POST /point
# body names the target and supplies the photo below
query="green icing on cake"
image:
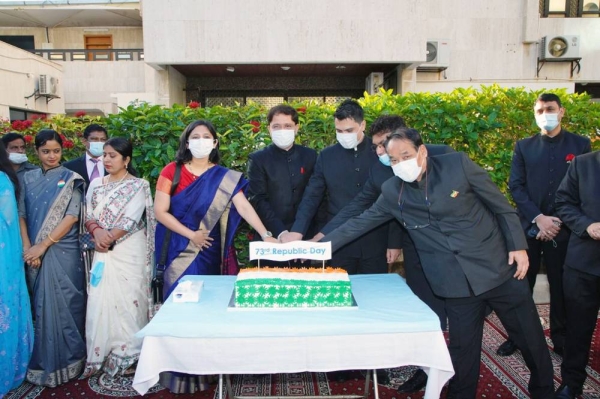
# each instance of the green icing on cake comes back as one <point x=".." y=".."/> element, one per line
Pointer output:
<point x="273" y="293"/>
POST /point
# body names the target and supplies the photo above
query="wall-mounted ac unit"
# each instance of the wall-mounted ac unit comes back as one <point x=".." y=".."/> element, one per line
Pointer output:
<point x="373" y="82"/>
<point x="565" y="47"/>
<point x="48" y="86"/>
<point x="438" y="55"/>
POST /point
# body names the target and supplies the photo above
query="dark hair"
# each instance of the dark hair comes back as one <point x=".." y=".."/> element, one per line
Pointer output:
<point x="6" y="167"/>
<point x="349" y="109"/>
<point x="284" y="110"/>
<point x="10" y="137"/>
<point x="184" y="154"/>
<point x="406" y="134"/>
<point x="123" y="147"/>
<point x="386" y="124"/>
<point x="549" y="97"/>
<point x="93" y="128"/>
<point x="46" y="135"/>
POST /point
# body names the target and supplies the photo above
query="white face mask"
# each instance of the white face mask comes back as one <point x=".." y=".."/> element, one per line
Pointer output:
<point x="283" y="138"/>
<point x="347" y="140"/>
<point x="96" y="148"/>
<point x="17" y="158"/>
<point x="547" y="122"/>
<point x="407" y="170"/>
<point x="200" y="148"/>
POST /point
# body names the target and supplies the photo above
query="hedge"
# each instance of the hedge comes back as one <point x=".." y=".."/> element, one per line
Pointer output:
<point x="485" y="123"/>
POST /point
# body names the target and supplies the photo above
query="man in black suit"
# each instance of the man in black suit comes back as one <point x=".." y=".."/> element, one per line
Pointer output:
<point x="381" y="171"/>
<point x="472" y="250"/>
<point x="577" y="206"/>
<point x="279" y="174"/>
<point x="89" y="165"/>
<point x="340" y="174"/>
<point x="538" y="166"/>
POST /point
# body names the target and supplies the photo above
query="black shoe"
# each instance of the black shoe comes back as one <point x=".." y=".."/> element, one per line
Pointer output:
<point x="507" y="348"/>
<point x="566" y="392"/>
<point x="414" y="383"/>
<point x="383" y="377"/>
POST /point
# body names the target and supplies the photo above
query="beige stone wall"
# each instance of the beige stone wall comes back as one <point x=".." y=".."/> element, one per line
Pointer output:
<point x="19" y="74"/>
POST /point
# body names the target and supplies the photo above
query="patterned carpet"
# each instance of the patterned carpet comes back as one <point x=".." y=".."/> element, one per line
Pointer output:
<point x="501" y="377"/>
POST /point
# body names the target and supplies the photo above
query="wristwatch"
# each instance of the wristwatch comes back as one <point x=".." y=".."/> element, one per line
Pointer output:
<point x="267" y="234"/>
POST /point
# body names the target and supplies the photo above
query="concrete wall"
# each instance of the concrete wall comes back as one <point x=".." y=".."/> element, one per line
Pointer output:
<point x="95" y="85"/>
<point x="269" y="31"/>
<point x="19" y="74"/>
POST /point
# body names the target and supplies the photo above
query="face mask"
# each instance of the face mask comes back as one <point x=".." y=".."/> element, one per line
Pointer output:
<point x="347" y="140"/>
<point x="96" y="148"/>
<point x="200" y="148"/>
<point x="547" y="122"/>
<point x="17" y="158"/>
<point x="385" y="159"/>
<point x="407" y="170"/>
<point x="283" y="138"/>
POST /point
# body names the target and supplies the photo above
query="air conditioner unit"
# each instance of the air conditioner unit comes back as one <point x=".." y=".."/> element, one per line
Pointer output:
<point x="373" y="82"/>
<point x="48" y="86"/>
<point x="565" y="47"/>
<point x="438" y="55"/>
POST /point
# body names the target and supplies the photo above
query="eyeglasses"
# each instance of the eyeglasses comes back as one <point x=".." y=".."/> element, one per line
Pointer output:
<point x="427" y="204"/>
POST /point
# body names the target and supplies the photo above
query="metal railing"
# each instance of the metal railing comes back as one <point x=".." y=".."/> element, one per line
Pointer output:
<point x="91" y="55"/>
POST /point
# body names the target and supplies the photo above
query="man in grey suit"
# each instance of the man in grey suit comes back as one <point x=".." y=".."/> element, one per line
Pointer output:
<point x="472" y="250"/>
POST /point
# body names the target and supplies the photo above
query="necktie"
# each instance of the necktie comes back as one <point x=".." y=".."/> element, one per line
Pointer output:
<point x="95" y="172"/>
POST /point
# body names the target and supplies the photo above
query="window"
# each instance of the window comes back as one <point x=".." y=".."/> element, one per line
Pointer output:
<point x="22" y="42"/>
<point x="589" y="8"/>
<point x="570" y="8"/>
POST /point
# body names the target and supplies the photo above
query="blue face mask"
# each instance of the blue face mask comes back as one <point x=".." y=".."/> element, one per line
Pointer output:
<point x="385" y="159"/>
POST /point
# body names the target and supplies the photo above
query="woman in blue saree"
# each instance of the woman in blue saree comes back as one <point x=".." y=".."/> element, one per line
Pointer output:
<point x="16" y="331"/>
<point x="202" y="214"/>
<point x="49" y="209"/>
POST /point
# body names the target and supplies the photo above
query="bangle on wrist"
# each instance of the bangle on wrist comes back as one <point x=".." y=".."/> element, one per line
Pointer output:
<point x="94" y="229"/>
<point x="52" y="239"/>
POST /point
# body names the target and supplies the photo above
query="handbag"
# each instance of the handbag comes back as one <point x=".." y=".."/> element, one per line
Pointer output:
<point x="159" y="271"/>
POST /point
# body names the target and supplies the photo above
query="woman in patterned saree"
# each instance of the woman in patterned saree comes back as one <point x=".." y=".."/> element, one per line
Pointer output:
<point x="16" y="331"/>
<point x="49" y="209"/>
<point x="121" y="219"/>
<point x="203" y="215"/>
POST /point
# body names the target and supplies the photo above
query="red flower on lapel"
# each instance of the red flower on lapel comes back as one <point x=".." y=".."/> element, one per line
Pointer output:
<point x="569" y="158"/>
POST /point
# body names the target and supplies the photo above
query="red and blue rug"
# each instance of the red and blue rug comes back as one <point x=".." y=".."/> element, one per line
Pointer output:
<point x="500" y="377"/>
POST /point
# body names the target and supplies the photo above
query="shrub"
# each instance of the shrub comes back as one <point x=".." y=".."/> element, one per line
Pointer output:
<point x="484" y="123"/>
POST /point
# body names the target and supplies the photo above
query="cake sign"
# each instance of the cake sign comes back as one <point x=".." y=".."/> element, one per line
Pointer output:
<point x="290" y="250"/>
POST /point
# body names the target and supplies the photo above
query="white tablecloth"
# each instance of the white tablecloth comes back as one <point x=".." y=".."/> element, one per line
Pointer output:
<point x="390" y="327"/>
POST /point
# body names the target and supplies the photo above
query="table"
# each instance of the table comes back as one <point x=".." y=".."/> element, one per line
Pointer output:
<point x="390" y="328"/>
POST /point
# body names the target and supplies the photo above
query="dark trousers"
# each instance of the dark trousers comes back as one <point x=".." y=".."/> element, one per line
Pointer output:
<point x="514" y="306"/>
<point x="374" y="262"/>
<point x="554" y="254"/>
<point x="582" y="299"/>
<point x="417" y="282"/>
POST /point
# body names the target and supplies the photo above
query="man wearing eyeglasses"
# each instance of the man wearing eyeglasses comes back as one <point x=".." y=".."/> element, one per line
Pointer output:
<point x="472" y="249"/>
<point x="279" y="174"/>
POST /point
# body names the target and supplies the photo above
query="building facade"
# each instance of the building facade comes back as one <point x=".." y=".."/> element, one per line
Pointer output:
<point x="105" y="54"/>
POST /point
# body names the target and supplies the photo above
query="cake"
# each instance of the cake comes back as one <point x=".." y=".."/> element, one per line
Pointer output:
<point x="268" y="287"/>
